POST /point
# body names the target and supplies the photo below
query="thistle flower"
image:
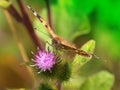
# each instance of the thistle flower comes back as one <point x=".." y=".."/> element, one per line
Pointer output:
<point x="44" y="60"/>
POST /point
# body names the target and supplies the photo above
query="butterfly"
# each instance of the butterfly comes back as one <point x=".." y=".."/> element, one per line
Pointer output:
<point x="58" y="41"/>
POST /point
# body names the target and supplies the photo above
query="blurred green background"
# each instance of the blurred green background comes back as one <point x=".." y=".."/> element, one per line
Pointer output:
<point x="77" y="21"/>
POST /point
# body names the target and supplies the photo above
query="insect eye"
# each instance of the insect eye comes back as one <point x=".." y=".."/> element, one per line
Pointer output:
<point x="54" y="42"/>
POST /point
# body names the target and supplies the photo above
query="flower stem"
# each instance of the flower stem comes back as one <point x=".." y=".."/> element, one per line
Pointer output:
<point x="59" y="86"/>
<point x="49" y="13"/>
<point x="28" y="25"/>
<point x="14" y="13"/>
<point x="20" y="46"/>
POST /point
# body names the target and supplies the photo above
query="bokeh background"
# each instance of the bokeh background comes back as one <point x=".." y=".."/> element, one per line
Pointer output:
<point x="78" y="21"/>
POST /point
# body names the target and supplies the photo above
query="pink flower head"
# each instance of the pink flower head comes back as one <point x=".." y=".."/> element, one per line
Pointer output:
<point x="44" y="60"/>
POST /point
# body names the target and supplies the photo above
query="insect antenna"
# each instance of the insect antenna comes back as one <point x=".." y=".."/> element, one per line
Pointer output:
<point x="94" y="55"/>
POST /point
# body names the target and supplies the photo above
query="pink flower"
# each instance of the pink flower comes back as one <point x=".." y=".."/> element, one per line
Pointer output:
<point x="44" y="60"/>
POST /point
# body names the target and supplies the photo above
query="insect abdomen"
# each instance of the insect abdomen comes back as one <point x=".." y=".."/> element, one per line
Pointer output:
<point x="83" y="53"/>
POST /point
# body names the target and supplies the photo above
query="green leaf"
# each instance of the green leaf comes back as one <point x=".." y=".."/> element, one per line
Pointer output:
<point x="79" y="61"/>
<point x="108" y="12"/>
<point x="67" y="25"/>
<point x="100" y="81"/>
<point x="76" y="7"/>
<point x="74" y="83"/>
<point x="4" y="4"/>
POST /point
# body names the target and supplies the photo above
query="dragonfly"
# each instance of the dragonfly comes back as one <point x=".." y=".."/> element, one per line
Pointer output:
<point x="58" y="41"/>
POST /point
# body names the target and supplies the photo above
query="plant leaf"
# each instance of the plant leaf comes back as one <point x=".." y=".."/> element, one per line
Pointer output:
<point x="80" y="60"/>
<point x="101" y="81"/>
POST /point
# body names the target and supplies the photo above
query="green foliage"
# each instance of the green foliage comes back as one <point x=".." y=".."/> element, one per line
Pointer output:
<point x="108" y="27"/>
<point x="4" y="4"/>
<point x="100" y="81"/>
<point x="52" y="73"/>
<point x="60" y="71"/>
<point x="80" y="60"/>
<point x="64" y="73"/>
<point x="71" y="20"/>
<point x="41" y="2"/>
<point x="108" y="12"/>
<point x="64" y="23"/>
<point x="45" y="86"/>
<point x="110" y="41"/>
<point x="78" y="7"/>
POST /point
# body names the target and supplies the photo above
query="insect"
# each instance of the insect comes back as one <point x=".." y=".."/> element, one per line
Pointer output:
<point x="58" y="41"/>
